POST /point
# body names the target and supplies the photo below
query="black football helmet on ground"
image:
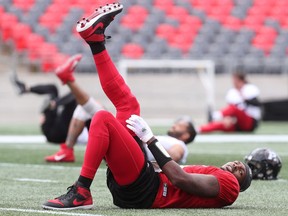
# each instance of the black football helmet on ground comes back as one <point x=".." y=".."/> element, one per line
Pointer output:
<point x="264" y="163"/>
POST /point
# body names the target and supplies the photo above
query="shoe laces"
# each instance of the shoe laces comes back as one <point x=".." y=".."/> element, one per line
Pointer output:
<point x="71" y="190"/>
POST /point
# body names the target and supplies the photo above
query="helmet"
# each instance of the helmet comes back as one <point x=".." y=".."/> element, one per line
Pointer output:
<point x="264" y="163"/>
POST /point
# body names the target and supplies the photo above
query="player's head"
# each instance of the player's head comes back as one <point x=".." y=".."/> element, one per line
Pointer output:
<point x="183" y="129"/>
<point x="264" y="163"/>
<point x="241" y="171"/>
<point x="239" y="79"/>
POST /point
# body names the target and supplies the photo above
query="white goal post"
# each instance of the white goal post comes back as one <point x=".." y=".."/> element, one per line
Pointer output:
<point x="204" y="68"/>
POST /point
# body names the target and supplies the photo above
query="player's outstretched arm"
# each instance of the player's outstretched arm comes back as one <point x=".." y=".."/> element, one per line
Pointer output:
<point x="198" y="184"/>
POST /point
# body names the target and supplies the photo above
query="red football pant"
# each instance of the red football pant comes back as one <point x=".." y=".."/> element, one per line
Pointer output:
<point x="109" y="138"/>
<point x="243" y="121"/>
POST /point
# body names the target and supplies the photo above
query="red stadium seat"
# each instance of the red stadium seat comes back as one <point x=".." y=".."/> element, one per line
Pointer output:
<point x="51" y="21"/>
<point x="132" y="22"/>
<point x="165" y="30"/>
<point x="267" y="31"/>
<point x="24" y="5"/>
<point x="34" y="42"/>
<point x="259" y="11"/>
<point x="193" y="21"/>
<point x="53" y="16"/>
<point x="278" y="13"/>
<point x="43" y="53"/>
<point x="206" y="6"/>
<point x="280" y="3"/>
<point x="135" y="17"/>
<point x="59" y="10"/>
<point x="20" y="33"/>
<point x="201" y="2"/>
<point x="7" y="22"/>
<point x="137" y="10"/>
<point x="186" y="29"/>
<point x="232" y="22"/>
<point x="177" y="12"/>
<point x="219" y="14"/>
<point x="265" y="38"/>
<point x="253" y="22"/>
<point x="264" y="42"/>
<point x="132" y="50"/>
<point x="225" y="3"/>
<point x="183" y="42"/>
<point x="164" y="5"/>
<point x="284" y="23"/>
<point x="2" y="10"/>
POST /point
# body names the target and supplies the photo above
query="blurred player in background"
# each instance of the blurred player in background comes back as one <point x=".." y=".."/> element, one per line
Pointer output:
<point x="62" y="120"/>
<point x="243" y="111"/>
<point x="56" y="111"/>
<point x="131" y="179"/>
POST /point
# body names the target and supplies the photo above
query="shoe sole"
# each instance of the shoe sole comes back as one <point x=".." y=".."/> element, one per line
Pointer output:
<point x="60" y="161"/>
<point x="86" y="23"/>
<point x="85" y="207"/>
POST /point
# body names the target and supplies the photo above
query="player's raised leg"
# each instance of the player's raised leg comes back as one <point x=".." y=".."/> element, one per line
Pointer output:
<point x="92" y="30"/>
<point x="109" y="138"/>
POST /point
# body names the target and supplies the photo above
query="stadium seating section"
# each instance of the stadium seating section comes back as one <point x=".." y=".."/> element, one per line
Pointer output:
<point x="248" y="33"/>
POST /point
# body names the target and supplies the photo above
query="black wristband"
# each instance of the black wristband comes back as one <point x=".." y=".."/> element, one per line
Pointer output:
<point x="159" y="153"/>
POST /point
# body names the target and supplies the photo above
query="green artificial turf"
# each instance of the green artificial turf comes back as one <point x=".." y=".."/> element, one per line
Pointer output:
<point x="26" y="180"/>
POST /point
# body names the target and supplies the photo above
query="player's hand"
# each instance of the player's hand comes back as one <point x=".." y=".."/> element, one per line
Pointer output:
<point x="139" y="127"/>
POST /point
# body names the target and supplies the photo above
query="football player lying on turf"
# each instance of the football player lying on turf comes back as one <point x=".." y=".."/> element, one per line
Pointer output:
<point x="131" y="179"/>
<point x="63" y="119"/>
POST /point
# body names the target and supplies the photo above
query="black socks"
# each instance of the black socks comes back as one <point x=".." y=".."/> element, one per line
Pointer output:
<point x="86" y="182"/>
<point x="97" y="47"/>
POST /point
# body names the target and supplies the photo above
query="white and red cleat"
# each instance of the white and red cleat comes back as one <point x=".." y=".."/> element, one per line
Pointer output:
<point x="65" y="154"/>
<point x="92" y="28"/>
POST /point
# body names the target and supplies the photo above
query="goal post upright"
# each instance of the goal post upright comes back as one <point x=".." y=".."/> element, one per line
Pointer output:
<point x="205" y="70"/>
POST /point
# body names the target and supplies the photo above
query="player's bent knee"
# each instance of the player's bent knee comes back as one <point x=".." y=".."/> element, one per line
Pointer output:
<point x="101" y="117"/>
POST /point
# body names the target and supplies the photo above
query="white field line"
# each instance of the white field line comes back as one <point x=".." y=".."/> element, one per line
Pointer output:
<point x="35" y="180"/>
<point x="53" y="167"/>
<point x="39" y="166"/>
<point x="46" y="212"/>
<point x="22" y="139"/>
<point x="241" y="138"/>
<point x="30" y="139"/>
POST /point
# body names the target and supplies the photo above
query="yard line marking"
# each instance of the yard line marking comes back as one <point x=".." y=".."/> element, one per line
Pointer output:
<point x="241" y="138"/>
<point x="282" y="180"/>
<point x="22" y="139"/>
<point x="47" y="212"/>
<point x="35" y="180"/>
<point x="44" y="166"/>
<point x="38" y="166"/>
<point x="32" y="139"/>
